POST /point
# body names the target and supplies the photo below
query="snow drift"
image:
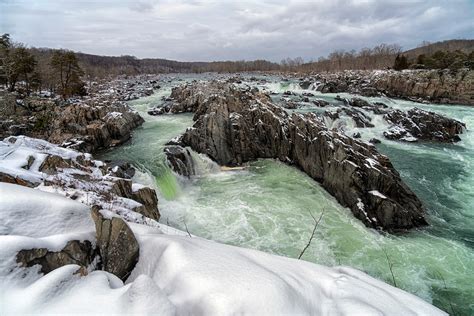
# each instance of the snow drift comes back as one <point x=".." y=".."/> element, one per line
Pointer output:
<point x="176" y="274"/>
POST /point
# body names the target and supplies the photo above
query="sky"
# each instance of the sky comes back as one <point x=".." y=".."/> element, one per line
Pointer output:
<point x="206" y="30"/>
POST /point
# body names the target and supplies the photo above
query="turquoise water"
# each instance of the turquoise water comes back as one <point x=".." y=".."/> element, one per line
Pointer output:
<point x="267" y="206"/>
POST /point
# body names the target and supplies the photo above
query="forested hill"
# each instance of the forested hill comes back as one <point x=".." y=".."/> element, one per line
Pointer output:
<point x="378" y="57"/>
<point x="101" y="66"/>
<point x="463" y="45"/>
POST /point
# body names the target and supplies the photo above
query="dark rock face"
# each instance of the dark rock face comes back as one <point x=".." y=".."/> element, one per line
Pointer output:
<point x="75" y="252"/>
<point x="419" y="124"/>
<point x="233" y="126"/>
<point x="180" y="160"/>
<point x="118" y="247"/>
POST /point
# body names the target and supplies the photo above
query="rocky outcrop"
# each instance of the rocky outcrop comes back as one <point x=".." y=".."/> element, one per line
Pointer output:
<point x="88" y="129"/>
<point x="180" y="160"/>
<point x="77" y="176"/>
<point x="118" y="247"/>
<point x="434" y="86"/>
<point x="233" y="126"/>
<point x="77" y="252"/>
<point x="424" y="125"/>
<point x="99" y="120"/>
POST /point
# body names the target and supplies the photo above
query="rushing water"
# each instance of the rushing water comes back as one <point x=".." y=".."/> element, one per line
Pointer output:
<point x="268" y="206"/>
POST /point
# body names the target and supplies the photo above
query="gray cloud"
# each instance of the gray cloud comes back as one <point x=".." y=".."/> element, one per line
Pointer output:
<point x="222" y="30"/>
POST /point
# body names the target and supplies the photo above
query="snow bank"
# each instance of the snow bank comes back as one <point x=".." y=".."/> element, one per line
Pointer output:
<point x="208" y="278"/>
<point x="175" y="273"/>
<point x="34" y="213"/>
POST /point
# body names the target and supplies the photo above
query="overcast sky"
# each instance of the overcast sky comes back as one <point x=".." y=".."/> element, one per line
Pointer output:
<point x="206" y="30"/>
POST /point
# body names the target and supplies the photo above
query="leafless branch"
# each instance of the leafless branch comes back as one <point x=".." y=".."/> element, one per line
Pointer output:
<point x="186" y="226"/>
<point x="390" y="267"/>
<point x="316" y="223"/>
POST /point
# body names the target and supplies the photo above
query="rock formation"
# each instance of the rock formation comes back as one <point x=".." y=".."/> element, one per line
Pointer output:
<point x="435" y="86"/>
<point x="75" y="175"/>
<point x="420" y="124"/>
<point x="180" y="160"/>
<point x="100" y="120"/>
<point x="77" y="252"/>
<point x="233" y="126"/>
<point x="118" y="247"/>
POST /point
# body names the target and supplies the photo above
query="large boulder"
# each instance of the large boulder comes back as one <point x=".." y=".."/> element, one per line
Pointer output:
<point x="118" y="247"/>
<point x="233" y="126"/>
<point x="425" y="125"/>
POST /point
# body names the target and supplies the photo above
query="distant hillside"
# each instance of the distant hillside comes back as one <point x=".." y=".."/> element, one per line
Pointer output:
<point x="101" y="66"/>
<point x="464" y="45"/>
<point x="378" y="57"/>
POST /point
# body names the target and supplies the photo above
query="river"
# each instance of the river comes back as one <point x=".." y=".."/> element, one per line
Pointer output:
<point x="268" y="206"/>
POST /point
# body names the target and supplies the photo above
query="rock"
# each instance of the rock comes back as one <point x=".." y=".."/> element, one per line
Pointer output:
<point x="75" y="252"/>
<point x="52" y="163"/>
<point x="305" y="84"/>
<point x="333" y="115"/>
<point x="374" y="141"/>
<point x="144" y="195"/>
<point x="147" y="197"/>
<point x="320" y="103"/>
<point x="99" y="120"/>
<point x="369" y="92"/>
<point x="288" y="104"/>
<point x="356" y="135"/>
<point x="118" y="247"/>
<point x="434" y="86"/>
<point x="160" y="110"/>
<point x="424" y="125"/>
<point x="359" y="117"/>
<point x="341" y="99"/>
<point x="8" y="178"/>
<point x="121" y="169"/>
<point x="237" y="126"/>
<point x="180" y="160"/>
<point x="335" y="86"/>
<point x="356" y="102"/>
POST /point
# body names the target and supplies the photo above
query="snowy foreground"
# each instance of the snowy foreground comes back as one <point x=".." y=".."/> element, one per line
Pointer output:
<point x="175" y="274"/>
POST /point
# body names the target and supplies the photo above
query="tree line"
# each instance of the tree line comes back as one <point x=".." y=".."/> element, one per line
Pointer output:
<point x="452" y="60"/>
<point x="59" y="72"/>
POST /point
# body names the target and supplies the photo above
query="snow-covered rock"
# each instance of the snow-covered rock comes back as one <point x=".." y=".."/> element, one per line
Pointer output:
<point x="50" y="168"/>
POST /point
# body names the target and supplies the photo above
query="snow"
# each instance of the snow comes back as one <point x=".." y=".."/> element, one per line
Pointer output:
<point x="176" y="274"/>
<point x="377" y="193"/>
<point x="33" y="213"/>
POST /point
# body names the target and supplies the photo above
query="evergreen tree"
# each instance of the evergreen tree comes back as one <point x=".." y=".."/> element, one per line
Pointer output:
<point x="68" y="73"/>
<point x="18" y="65"/>
<point x="401" y="62"/>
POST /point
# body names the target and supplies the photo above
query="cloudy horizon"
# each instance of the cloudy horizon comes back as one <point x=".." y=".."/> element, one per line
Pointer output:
<point x="206" y="30"/>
